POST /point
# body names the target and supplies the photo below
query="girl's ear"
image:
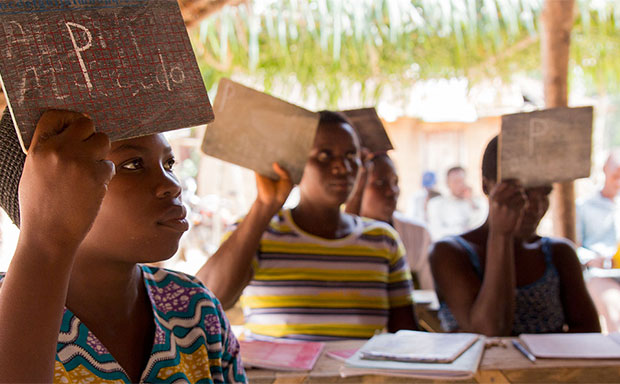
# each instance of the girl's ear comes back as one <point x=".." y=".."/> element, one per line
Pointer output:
<point x="487" y="185"/>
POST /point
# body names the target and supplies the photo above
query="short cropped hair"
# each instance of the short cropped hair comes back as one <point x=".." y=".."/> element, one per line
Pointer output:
<point x="458" y="168"/>
<point x="489" y="160"/>
<point x="333" y="117"/>
<point x="329" y="117"/>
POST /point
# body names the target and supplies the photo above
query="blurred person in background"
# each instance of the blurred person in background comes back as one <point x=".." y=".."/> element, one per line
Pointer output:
<point x="418" y="206"/>
<point x="502" y="278"/>
<point x="456" y="212"/>
<point x="598" y="227"/>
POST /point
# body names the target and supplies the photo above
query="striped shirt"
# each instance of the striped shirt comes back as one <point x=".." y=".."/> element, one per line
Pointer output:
<point x="308" y="287"/>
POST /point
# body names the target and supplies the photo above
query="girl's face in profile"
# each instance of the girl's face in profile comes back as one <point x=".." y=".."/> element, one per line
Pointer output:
<point x="381" y="191"/>
<point x="332" y="166"/>
<point x="141" y="218"/>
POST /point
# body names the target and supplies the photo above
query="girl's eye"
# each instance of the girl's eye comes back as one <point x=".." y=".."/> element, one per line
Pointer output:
<point x="170" y="164"/>
<point x="132" y="165"/>
<point x="322" y="157"/>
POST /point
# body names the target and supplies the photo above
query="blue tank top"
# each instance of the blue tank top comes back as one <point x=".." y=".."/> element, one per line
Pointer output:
<point x="538" y="306"/>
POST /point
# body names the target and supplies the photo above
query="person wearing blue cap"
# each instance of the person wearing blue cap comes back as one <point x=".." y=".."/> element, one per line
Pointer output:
<point x="419" y="200"/>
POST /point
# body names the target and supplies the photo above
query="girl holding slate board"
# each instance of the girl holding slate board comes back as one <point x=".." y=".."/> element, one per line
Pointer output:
<point x="502" y="278"/>
<point x="314" y="272"/>
<point x="75" y="305"/>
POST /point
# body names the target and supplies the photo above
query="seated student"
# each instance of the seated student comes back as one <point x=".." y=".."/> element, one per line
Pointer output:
<point x="376" y="196"/>
<point x="502" y="278"/>
<point x="314" y="272"/>
<point x="75" y="304"/>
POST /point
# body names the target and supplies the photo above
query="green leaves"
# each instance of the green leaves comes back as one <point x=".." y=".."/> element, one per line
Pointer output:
<point x="328" y="45"/>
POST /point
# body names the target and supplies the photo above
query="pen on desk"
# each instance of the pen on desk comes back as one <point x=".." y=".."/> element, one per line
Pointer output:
<point x="524" y="351"/>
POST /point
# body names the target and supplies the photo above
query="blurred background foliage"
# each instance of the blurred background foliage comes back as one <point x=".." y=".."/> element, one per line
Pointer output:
<point x="327" y="45"/>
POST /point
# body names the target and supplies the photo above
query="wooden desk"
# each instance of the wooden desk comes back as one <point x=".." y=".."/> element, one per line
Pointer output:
<point x="499" y="365"/>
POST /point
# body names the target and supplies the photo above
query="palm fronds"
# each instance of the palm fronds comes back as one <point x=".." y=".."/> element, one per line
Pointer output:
<point x="323" y="43"/>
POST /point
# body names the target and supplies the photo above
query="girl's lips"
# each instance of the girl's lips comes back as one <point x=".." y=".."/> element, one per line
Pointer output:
<point x="179" y="224"/>
<point x="174" y="218"/>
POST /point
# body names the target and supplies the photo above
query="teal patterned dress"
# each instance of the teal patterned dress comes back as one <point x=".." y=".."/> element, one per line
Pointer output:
<point x="193" y="341"/>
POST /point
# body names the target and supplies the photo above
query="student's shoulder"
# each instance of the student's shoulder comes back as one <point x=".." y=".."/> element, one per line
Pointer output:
<point x="447" y="248"/>
<point x="163" y="277"/>
<point x="561" y="248"/>
<point x="559" y="243"/>
<point x="372" y="227"/>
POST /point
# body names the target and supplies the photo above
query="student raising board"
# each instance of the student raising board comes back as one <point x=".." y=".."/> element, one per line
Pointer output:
<point x="502" y="278"/>
<point x="314" y="272"/>
<point x="76" y="305"/>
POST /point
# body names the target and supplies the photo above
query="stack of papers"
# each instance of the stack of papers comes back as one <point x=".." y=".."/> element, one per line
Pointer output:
<point x="573" y="345"/>
<point x="418" y="354"/>
<point x="280" y="355"/>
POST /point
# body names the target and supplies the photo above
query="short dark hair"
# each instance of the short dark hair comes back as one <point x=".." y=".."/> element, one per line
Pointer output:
<point x="333" y="117"/>
<point x="327" y="117"/>
<point x="458" y="168"/>
<point x="489" y="160"/>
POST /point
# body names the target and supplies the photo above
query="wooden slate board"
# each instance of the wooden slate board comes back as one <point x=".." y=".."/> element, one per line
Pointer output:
<point x="127" y="63"/>
<point x="255" y="130"/>
<point x="544" y="147"/>
<point x="370" y="129"/>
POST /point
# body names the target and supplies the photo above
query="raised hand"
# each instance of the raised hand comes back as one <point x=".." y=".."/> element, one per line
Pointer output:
<point x="273" y="193"/>
<point x="507" y="201"/>
<point x="64" y="180"/>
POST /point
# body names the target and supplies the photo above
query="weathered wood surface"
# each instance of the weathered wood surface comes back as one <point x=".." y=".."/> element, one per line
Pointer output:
<point x="499" y="365"/>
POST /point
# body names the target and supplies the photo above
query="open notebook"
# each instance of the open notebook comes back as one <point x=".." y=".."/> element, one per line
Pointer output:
<point x="414" y="346"/>
<point x="280" y="355"/>
<point x="463" y="367"/>
<point x="573" y="345"/>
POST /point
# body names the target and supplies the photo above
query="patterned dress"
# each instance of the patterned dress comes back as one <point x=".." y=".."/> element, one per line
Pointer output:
<point x="538" y="306"/>
<point x="193" y="341"/>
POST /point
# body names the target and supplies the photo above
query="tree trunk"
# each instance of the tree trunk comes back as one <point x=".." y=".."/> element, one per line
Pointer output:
<point x="557" y="22"/>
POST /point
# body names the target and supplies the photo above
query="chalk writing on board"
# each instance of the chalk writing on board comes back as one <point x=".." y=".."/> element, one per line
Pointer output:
<point x="543" y="147"/>
<point x="128" y="63"/>
<point x="82" y="40"/>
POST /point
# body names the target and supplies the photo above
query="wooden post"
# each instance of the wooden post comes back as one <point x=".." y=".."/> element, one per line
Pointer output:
<point x="557" y="21"/>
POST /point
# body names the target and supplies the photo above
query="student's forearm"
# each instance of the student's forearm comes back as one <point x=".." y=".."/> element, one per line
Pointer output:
<point x="493" y="310"/>
<point x="32" y="300"/>
<point x="228" y="271"/>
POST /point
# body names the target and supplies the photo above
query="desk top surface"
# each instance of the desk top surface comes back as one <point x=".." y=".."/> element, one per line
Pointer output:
<point x="504" y="357"/>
